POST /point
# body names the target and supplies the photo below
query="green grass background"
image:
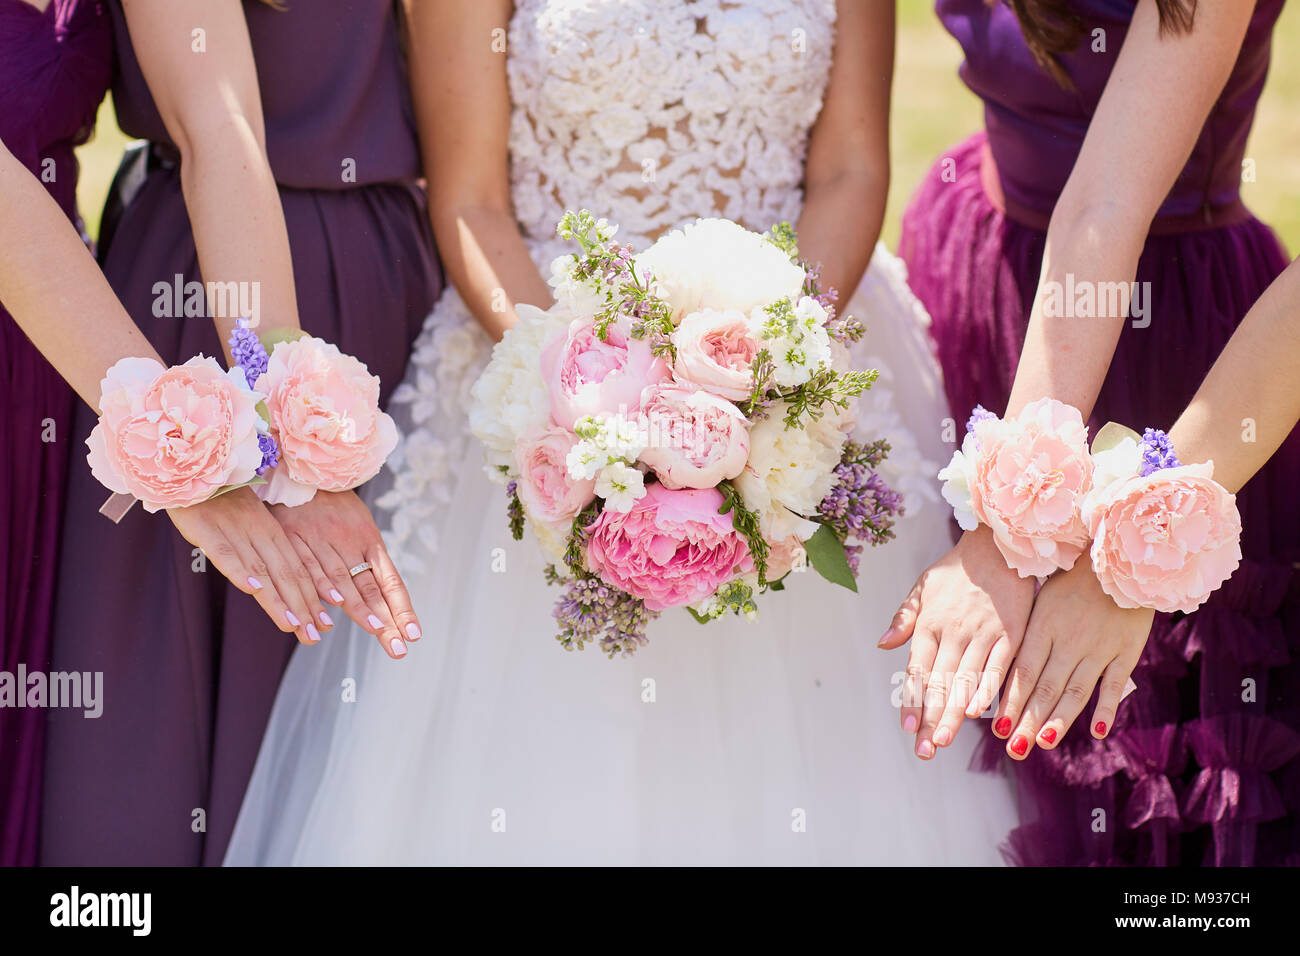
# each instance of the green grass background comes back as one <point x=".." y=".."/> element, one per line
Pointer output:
<point x="932" y="111"/>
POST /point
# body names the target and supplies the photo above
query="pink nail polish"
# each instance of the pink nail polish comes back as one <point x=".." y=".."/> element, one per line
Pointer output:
<point x="1049" y="734"/>
<point x="885" y="637"/>
<point x="910" y="724"/>
<point x="326" y="619"/>
<point x="398" y="647"/>
<point x="292" y="618"/>
<point x="335" y="596"/>
<point x="313" y="634"/>
<point x="925" y="750"/>
<point x="374" y="622"/>
<point x="942" y="737"/>
<point x="413" y="631"/>
<point x="253" y="583"/>
<point x="1020" y="745"/>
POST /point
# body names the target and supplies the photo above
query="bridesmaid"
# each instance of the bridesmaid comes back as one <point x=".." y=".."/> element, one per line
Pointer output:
<point x="1078" y="176"/>
<point x="190" y="671"/>
<point x="61" y="50"/>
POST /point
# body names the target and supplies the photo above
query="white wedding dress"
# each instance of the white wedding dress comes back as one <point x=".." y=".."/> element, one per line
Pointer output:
<point x="733" y="743"/>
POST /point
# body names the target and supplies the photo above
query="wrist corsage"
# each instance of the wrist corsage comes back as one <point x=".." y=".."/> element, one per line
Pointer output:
<point x="1160" y="534"/>
<point x="303" y="418"/>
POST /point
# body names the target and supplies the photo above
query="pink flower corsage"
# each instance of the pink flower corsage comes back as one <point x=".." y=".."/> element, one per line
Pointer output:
<point x="1165" y="535"/>
<point x="1025" y="477"/>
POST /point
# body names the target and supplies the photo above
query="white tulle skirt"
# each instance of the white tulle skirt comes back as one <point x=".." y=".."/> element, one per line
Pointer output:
<point x="773" y="742"/>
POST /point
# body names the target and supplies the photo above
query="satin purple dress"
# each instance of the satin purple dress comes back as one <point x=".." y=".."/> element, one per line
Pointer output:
<point x="1203" y="765"/>
<point x="54" y="71"/>
<point x="190" y="664"/>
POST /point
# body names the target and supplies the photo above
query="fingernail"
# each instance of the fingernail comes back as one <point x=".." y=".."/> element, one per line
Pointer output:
<point x="1100" y="729"/>
<point x="313" y="633"/>
<point x="292" y="618"/>
<point x="335" y="596"/>
<point x="925" y="750"/>
<point x="255" y="584"/>
<point x="326" y="619"/>
<point x="413" y="631"/>
<point x="398" y="647"/>
<point x="942" y="737"/>
<point x="1019" y="745"/>
<point x="1048" y="734"/>
<point x="887" y="635"/>
<point x="1002" y="727"/>
<point x="375" y="622"/>
<point x="909" y="724"/>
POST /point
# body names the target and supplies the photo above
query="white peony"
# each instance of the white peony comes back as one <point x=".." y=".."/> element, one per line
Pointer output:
<point x="510" y="397"/>
<point x="789" y="472"/>
<point x="957" y="477"/>
<point x="717" y="264"/>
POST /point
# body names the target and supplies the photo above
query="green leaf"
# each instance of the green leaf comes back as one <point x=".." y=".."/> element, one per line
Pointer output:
<point x="699" y="618"/>
<point x="1110" y="435"/>
<point x="273" y="337"/>
<point x="826" y="554"/>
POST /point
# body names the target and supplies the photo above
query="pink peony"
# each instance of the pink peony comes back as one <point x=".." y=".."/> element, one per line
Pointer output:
<point x="715" y="352"/>
<point x="695" y="439"/>
<point x="545" y="488"/>
<point x="1030" y="476"/>
<point x="1165" y="541"/>
<point x="672" y="548"/>
<point x="325" y="415"/>
<point x="784" y="556"/>
<point x="173" y="437"/>
<point x="588" y="376"/>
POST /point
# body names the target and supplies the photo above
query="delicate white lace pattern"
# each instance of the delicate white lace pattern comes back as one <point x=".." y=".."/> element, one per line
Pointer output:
<point x="650" y="113"/>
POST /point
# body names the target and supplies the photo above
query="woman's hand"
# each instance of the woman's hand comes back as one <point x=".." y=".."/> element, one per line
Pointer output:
<point x="247" y="545"/>
<point x="1077" y="636"/>
<point x="333" y="533"/>
<point x="966" y="617"/>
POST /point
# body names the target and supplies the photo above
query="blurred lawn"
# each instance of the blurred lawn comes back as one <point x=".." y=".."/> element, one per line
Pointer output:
<point x="932" y="111"/>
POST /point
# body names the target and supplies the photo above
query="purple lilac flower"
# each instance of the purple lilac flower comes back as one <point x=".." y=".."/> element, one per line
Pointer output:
<point x="248" y="353"/>
<point x="591" y="610"/>
<point x="1157" y="452"/>
<point x="270" y="454"/>
<point x="979" y="414"/>
<point x="860" y="506"/>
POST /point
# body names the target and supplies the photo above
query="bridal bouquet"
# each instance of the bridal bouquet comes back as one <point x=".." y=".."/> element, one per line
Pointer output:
<point x="675" y="429"/>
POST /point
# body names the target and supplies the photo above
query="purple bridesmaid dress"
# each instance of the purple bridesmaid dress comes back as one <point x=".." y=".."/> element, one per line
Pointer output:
<point x="191" y="665"/>
<point x="1202" y="766"/>
<point x="54" y="71"/>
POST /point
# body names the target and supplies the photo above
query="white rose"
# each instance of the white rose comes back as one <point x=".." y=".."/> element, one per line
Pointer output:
<point x="957" y="477"/>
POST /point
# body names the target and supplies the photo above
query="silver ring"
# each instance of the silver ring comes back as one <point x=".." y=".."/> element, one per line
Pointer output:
<point x="363" y="566"/>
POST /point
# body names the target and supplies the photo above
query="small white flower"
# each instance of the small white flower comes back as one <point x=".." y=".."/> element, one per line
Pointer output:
<point x="585" y="459"/>
<point x="621" y="486"/>
<point x="957" y="477"/>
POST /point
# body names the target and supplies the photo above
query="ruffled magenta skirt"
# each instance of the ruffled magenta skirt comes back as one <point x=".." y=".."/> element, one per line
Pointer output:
<point x="1203" y="765"/>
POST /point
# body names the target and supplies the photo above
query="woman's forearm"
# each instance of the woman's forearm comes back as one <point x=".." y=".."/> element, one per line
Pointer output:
<point x="1250" y="400"/>
<point x="52" y="287"/>
<point x="487" y="260"/>
<point x="842" y="244"/>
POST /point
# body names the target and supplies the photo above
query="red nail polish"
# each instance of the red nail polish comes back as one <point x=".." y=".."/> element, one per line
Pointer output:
<point x="1100" y="728"/>
<point x="1019" y="745"/>
<point x="1049" y="734"/>
<point x="1002" y="727"/>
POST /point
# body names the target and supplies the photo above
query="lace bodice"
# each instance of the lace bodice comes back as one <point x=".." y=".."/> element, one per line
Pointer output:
<point x="654" y="112"/>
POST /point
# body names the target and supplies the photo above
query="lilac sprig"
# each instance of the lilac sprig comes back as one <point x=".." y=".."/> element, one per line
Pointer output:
<point x="250" y="356"/>
<point x="590" y="611"/>
<point x="1157" y="452"/>
<point x="860" y="507"/>
<point x="270" y="453"/>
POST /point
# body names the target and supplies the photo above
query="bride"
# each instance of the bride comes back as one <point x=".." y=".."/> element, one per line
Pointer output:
<point x="775" y="741"/>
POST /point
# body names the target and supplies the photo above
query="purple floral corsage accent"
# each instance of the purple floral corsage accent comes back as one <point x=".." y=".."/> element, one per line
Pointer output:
<point x="250" y="355"/>
<point x="979" y="414"/>
<point x="270" y="454"/>
<point x="1157" y="452"/>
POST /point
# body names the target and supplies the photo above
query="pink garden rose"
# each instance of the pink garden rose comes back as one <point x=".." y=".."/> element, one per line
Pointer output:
<point x="695" y="439"/>
<point x="784" y="556"/>
<point x="1166" y="541"/>
<point x="173" y="437"/>
<point x="325" y="415"/>
<point x="715" y="352"/>
<point x="1030" y="476"/>
<point x="546" y="491"/>
<point x="672" y="547"/>
<point x="588" y="376"/>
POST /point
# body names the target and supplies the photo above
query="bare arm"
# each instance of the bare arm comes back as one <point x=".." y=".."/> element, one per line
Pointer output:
<point x="1148" y="120"/>
<point x="462" y="105"/>
<point x="1250" y="400"/>
<point x="211" y="106"/>
<point x="54" y="290"/>
<point x="847" y="174"/>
